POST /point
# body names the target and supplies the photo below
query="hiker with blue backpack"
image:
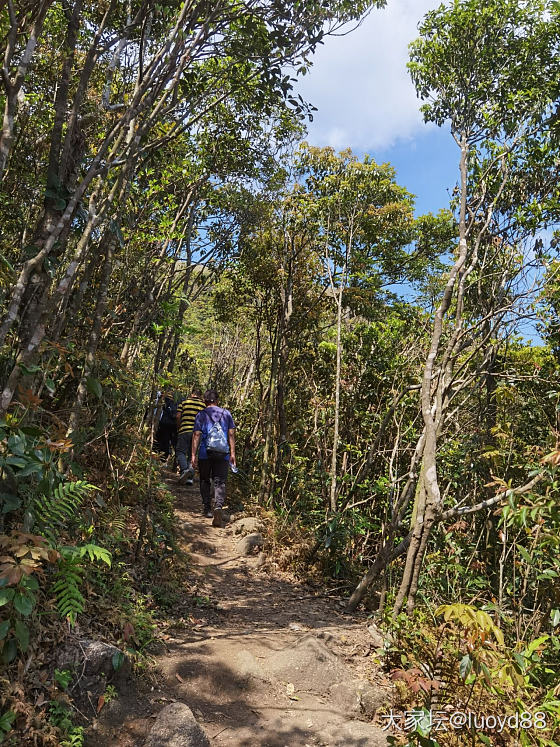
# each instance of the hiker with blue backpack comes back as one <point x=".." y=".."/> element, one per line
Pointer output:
<point x="213" y="450"/>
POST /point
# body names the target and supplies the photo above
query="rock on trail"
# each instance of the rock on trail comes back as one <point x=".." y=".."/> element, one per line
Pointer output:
<point x="269" y="664"/>
<point x="176" y="726"/>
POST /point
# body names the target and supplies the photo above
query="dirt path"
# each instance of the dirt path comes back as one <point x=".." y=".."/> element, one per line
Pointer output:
<point x="269" y="662"/>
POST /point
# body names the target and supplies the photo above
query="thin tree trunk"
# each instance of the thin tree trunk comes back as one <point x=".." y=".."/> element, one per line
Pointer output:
<point x="248" y="379"/>
<point x="266" y="471"/>
<point x="13" y="88"/>
<point x="429" y="504"/>
<point x="186" y="282"/>
<point x="332" y="493"/>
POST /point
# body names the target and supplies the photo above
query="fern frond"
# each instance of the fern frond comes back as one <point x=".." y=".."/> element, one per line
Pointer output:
<point x="69" y="598"/>
<point x="94" y="552"/>
<point x="70" y="601"/>
<point x="55" y="511"/>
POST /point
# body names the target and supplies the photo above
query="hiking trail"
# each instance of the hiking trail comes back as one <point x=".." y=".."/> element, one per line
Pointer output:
<point x="270" y="662"/>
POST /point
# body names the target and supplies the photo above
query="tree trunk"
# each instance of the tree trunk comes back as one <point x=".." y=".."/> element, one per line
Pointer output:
<point x="429" y="501"/>
<point x="332" y="493"/>
<point x="13" y="87"/>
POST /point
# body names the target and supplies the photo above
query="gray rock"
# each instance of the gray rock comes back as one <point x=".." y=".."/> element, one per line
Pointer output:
<point x="376" y="636"/>
<point x="175" y="726"/>
<point x="246" y="545"/>
<point x="248" y="525"/>
<point x="92" y="659"/>
<point x="308" y="664"/>
<point x="355" y="698"/>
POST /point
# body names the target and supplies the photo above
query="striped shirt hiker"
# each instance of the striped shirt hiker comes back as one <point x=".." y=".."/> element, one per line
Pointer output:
<point x="189" y="408"/>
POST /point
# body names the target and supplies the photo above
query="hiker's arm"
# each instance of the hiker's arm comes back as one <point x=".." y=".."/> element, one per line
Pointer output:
<point x="231" y="439"/>
<point x="195" y="442"/>
<point x="178" y="417"/>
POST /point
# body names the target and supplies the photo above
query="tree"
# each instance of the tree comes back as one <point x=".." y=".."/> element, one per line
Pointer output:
<point x="364" y="224"/>
<point x="490" y="71"/>
<point x="157" y="72"/>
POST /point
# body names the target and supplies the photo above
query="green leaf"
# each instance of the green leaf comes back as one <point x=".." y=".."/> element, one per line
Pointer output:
<point x="94" y="387"/>
<point x="115" y="229"/>
<point x="31" y="250"/>
<point x="16" y="461"/>
<point x="117" y="660"/>
<point x="9" y="652"/>
<point x="24" y="604"/>
<point x="50" y="264"/>
<point x="6" y="595"/>
<point x="10" y="502"/>
<point x="6" y="721"/>
<point x="16" y="445"/>
<point x="63" y="678"/>
<point x="94" y="552"/>
<point x="5" y="264"/>
<point x="521" y="661"/>
<point x="554" y="618"/>
<point x="34" y="468"/>
<point x="534" y="645"/>
<point x="56" y="200"/>
<point x="22" y="634"/>
<point x="4" y="627"/>
<point x="32" y="430"/>
<point x="30" y="370"/>
<point x="548" y="573"/>
<point x="30" y="583"/>
<point x="465" y="666"/>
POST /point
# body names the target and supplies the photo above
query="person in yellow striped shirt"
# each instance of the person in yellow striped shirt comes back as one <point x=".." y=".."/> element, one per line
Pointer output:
<point x="186" y="413"/>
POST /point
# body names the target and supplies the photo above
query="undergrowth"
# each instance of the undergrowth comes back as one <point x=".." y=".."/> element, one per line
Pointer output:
<point x="79" y="561"/>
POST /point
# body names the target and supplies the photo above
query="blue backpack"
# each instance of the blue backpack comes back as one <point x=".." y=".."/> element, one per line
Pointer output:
<point x="216" y="441"/>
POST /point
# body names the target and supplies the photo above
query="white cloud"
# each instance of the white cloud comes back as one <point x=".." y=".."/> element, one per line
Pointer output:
<point x="360" y="83"/>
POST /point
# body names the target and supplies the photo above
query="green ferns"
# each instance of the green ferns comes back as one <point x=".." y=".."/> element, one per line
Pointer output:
<point x="69" y="598"/>
<point x="55" y="511"/>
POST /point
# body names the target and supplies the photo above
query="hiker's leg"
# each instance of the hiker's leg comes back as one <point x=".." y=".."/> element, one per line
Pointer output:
<point x="158" y="438"/>
<point x="204" y="469"/>
<point x="173" y="449"/>
<point x="189" y="437"/>
<point x="164" y="440"/>
<point x="220" y="468"/>
<point x="184" y="448"/>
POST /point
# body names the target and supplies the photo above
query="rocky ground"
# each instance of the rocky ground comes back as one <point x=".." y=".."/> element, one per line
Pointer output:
<point x="270" y="662"/>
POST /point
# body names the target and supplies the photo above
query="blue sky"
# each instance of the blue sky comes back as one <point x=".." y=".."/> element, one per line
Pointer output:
<point x="427" y="165"/>
<point x="366" y="101"/>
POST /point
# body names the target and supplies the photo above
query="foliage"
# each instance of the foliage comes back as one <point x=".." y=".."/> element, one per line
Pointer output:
<point x="6" y="721"/>
<point x="61" y="717"/>
<point x="163" y="227"/>
<point x="463" y="665"/>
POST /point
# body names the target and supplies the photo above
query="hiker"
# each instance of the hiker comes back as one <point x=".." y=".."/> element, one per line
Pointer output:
<point x="214" y="431"/>
<point x="166" y="436"/>
<point x="186" y="413"/>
